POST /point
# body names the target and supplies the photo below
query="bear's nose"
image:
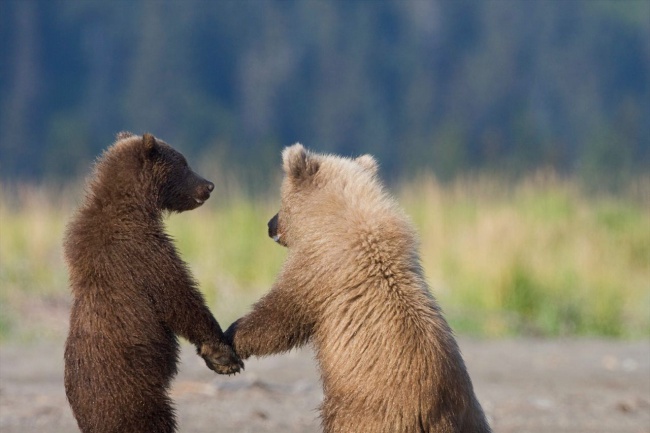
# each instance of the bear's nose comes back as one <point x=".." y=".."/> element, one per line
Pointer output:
<point x="210" y="186"/>
<point x="273" y="226"/>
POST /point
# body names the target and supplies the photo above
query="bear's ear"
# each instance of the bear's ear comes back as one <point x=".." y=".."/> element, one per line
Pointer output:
<point x="368" y="162"/>
<point x="124" y="134"/>
<point x="149" y="144"/>
<point x="298" y="163"/>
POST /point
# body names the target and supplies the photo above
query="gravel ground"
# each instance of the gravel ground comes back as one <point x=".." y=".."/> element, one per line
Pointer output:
<point x="524" y="385"/>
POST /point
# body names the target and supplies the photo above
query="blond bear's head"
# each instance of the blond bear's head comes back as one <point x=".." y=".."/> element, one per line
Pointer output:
<point x="322" y="195"/>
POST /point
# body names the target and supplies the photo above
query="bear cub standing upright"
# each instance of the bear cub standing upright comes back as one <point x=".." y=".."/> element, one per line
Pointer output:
<point x="352" y="285"/>
<point x="132" y="292"/>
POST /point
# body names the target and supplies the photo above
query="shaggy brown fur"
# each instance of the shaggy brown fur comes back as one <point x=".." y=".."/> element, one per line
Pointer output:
<point x="352" y="285"/>
<point x="132" y="292"/>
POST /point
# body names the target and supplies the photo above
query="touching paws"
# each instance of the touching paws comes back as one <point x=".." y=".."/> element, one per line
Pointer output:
<point x="220" y="358"/>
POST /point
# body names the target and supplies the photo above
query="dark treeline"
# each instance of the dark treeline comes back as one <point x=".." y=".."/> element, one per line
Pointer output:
<point x="445" y="85"/>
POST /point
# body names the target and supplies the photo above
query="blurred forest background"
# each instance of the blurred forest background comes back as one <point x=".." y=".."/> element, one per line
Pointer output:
<point x="515" y="133"/>
<point x="448" y="86"/>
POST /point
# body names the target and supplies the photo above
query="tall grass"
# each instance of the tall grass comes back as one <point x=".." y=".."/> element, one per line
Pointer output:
<point x="33" y="278"/>
<point x="539" y="257"/>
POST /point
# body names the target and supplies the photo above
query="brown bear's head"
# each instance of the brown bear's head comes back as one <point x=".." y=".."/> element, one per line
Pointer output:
<point x="317" y="191"/>
<point x="178" y="187"/>
<point x="143" y="169"/>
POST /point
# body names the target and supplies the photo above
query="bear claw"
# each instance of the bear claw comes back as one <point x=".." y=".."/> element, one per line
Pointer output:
<point x="221" y="359"/>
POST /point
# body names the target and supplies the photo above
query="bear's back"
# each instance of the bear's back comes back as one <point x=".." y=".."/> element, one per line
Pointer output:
<point x="381" y="340"/>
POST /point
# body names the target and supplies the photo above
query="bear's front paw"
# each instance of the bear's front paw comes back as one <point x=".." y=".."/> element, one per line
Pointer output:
<point x="220" y="358"/>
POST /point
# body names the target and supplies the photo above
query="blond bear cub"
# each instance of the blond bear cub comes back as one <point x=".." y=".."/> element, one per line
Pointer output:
<point x="353" y="287"/>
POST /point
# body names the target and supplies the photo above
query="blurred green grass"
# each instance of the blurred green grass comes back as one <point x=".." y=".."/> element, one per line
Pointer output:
<point x="537" y="257"/>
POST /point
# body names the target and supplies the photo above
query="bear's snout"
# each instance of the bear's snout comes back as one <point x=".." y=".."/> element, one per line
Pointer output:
<point x="273" y="227"/>
<point x="207" y="188"/>
<point x="203" y="191"/>
<point x="274" y="233"/>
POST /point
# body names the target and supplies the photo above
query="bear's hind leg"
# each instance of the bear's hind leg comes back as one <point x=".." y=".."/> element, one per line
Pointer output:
<point x="153" y="416"/>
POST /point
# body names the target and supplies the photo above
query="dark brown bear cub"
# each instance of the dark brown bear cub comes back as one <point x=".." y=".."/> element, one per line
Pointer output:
<point x="132" y="292"/>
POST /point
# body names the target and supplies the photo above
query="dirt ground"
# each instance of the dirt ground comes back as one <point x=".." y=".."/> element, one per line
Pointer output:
<point x="524" y="385"/>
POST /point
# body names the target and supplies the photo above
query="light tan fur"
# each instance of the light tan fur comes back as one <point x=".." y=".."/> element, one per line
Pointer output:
<point x="353" y="287"/>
